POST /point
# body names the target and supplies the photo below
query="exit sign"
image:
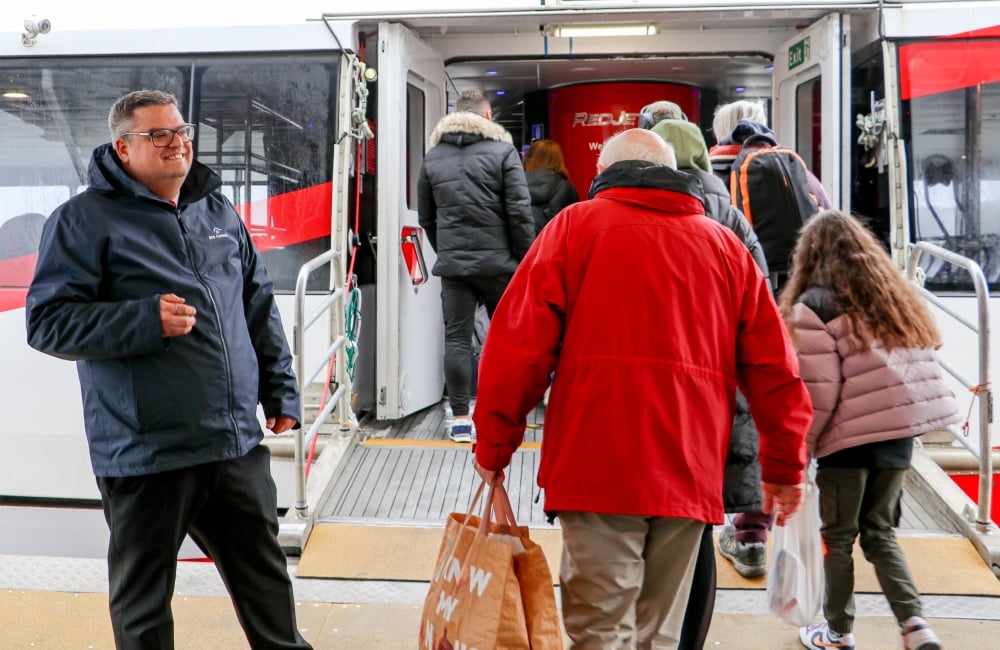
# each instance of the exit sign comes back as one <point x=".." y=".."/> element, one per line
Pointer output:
<point x="798" y="53"/>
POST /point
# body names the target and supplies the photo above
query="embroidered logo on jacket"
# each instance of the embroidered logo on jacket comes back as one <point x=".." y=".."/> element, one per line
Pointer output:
<point x="218" y="233"/>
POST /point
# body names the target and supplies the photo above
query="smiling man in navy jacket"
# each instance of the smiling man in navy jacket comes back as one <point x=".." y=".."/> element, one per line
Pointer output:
<point x="150" y="282"/>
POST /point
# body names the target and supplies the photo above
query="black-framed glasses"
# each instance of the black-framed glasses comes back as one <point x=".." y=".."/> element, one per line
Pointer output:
<point x="163" y="137"/>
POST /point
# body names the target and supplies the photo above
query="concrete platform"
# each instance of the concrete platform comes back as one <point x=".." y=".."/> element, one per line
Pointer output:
<point x="59" y="621"/>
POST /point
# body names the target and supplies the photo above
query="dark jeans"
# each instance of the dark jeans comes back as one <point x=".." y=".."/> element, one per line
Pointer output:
<point x="863" y="501"/>
<point x="459" y="297"/>
<point x="230" y="510"/>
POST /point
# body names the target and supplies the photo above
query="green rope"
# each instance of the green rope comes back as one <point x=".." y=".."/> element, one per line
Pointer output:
<point x="352" y="326"/>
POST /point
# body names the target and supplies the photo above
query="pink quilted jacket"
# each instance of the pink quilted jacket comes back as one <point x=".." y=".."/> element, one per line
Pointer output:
<point x="866" y="396"/>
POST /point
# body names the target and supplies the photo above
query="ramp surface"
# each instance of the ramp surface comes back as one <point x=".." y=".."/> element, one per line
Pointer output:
<point x="940" y="565"/>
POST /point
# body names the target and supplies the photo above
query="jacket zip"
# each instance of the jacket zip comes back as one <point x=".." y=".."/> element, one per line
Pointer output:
<point x="222" y="333"/>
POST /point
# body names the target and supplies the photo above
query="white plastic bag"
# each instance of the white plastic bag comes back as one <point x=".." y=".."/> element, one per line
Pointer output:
<point x="796" y="581"/>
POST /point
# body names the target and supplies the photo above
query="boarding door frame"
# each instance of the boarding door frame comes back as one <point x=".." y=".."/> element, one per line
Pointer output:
<point x="817" y="128"/>
<point x="409" y="364"/>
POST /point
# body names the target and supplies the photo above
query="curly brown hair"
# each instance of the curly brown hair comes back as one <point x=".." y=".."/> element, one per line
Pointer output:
<point x="545" y="154"/>
<point x="837" y="252"/>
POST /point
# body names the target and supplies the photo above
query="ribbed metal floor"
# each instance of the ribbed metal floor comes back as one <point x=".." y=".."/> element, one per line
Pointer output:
<point x="389" y="480"/>
<point x="422" y="484"/>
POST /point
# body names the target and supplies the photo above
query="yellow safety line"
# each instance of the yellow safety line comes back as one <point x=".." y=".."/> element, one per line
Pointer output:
<point x="444" y="444"/>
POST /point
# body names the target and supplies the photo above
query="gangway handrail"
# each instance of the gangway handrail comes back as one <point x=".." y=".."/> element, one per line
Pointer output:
<point x="340" y="397"/>
<point x="982" y="390"/>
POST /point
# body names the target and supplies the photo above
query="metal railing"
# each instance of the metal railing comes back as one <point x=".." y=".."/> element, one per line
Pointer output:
<point x="982" y="387"/>
<point x="341" y="397"/>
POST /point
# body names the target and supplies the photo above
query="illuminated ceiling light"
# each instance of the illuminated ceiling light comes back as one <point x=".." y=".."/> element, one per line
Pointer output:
<point x="491" y="73"/>
<point x="577" y="31"/>
<point x="740" y="89"/>
<point x="15" y="94"/>
<point x="501" y="93"/>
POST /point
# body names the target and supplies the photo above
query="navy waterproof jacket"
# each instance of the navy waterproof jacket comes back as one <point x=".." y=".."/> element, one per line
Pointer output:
<point x="153" y="404"/>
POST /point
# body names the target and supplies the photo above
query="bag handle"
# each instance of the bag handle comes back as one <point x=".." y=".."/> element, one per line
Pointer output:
<point x="482" y="531"/>
<point x="502" y="507"/>
<point x="497" y="507"/>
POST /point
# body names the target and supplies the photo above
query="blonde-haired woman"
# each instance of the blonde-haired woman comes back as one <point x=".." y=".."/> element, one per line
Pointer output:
<point x="548" y="181"/>
<point x="867" y="352"/>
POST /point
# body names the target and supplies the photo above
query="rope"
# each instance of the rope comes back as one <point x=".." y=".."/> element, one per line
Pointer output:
<point x="975" y="390"/>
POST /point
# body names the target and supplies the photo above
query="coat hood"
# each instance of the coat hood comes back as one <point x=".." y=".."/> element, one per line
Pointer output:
<point x="661" y="110"/>
<point x="462" y="129"/>
<point x="746" y="129"/>
<point x="106" y="174"/>
<point x="641" y="173"/>
<point x="543" y="184"/>
<point x="688" y="142"/>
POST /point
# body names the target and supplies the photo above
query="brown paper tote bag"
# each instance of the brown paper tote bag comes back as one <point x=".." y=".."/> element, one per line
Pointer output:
<point x="476" y="599"/>
<point x="535" y="580"/>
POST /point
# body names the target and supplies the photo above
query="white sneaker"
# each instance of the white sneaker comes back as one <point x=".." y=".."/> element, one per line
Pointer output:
<point x="918" y="636"/>
<point x="819" y="636"/>
<point x="461" y="431"/>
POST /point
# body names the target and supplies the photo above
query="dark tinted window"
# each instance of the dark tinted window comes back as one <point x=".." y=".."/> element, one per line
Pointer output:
<point x="265" y="124"/>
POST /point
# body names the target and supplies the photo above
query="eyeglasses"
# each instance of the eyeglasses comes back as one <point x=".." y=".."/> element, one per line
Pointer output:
<point x="163" y="137"/>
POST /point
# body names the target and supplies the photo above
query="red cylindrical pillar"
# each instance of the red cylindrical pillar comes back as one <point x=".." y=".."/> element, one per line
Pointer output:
<point x="583" y="116"/>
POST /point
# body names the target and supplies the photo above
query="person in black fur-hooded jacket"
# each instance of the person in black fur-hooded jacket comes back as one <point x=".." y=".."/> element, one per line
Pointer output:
<point x="473" y="203"/>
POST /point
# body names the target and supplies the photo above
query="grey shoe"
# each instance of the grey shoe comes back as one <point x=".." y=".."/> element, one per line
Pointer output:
<point x="749" y="560"/>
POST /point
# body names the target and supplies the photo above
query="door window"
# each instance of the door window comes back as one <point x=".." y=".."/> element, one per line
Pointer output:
<point x="951" y="107"/>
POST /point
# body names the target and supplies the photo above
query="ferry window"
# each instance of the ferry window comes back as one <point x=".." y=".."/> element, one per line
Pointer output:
<point x="808" y="118"/>
<point x="266" y="126"/>
<point x="952" y="111"/>
<point x="416" y="112"/>
<point x="52" y="116"/>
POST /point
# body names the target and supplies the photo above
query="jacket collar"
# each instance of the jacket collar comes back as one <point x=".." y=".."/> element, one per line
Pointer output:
<point x="107" y="174"/>
<point x="643" y="174"/>
<point x="464" y="128"/>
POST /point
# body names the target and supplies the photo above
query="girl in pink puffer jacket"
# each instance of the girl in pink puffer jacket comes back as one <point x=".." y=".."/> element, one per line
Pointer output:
<point x="867" y="352"/>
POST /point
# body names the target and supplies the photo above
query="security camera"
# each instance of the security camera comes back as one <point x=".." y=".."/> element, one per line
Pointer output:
<point x="32" y="28"/>
<point x="35" y="25"/>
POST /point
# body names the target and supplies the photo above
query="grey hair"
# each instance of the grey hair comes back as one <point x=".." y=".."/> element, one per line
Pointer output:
<point x="637" y="144"/>
<point x="727" y="115"/>
<point x="120" y="116"/>
<point x="473" y="100"/>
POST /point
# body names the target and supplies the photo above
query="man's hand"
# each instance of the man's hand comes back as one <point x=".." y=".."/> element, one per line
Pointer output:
<point x="280" y="425"/>
<point x="176" y="318"/>
<point x="488" y="475"/>
<point x="782" y="500"/>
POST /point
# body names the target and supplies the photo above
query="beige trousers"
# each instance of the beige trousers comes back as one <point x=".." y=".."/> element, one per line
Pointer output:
<point x="625" y="580"/>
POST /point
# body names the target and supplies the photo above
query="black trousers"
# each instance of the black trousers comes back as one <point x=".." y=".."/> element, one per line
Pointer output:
<point x="701" y="602"/>
<point x="230" y="510"/>
<point x="459" y="297"/>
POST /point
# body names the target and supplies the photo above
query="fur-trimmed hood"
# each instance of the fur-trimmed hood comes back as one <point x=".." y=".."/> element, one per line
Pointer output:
<point x="461" y="129"/>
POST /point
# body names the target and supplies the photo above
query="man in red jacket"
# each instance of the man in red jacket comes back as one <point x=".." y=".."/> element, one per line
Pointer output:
<point x="651" y="314"/>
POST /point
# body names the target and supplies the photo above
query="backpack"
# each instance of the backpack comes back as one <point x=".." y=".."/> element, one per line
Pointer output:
<point x="770" y="185"/>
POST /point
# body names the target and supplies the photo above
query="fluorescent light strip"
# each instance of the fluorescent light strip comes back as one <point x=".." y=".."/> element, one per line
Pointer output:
<point x="575" y="31"/>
